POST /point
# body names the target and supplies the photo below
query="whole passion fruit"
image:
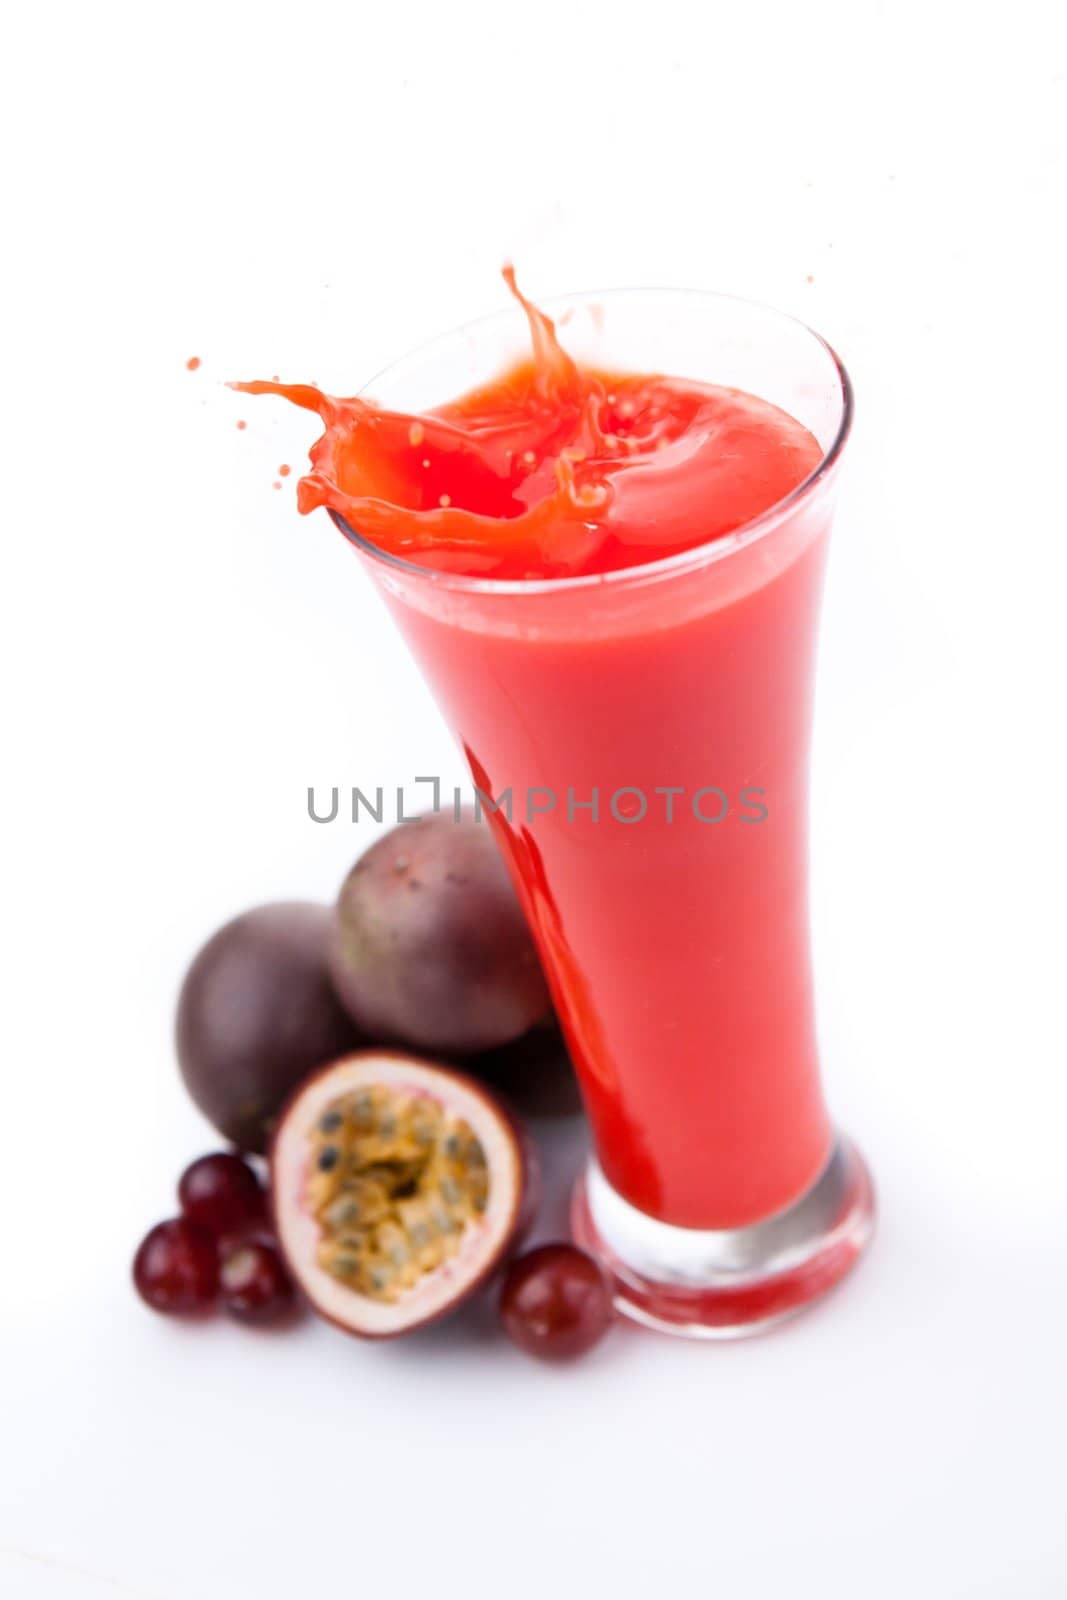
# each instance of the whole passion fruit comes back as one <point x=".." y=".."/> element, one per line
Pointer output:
<point x="430" y="947"/>
<point x="534" y="1073"/>
<point x="398" y="1188"/>
<point x="257" y="1012"/>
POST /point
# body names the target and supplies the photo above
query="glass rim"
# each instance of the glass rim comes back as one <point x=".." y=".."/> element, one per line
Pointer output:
<point x="709" y="550"/>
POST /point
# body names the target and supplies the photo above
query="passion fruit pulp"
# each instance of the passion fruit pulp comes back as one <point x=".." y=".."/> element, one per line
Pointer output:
<point x="398" y="1187"/>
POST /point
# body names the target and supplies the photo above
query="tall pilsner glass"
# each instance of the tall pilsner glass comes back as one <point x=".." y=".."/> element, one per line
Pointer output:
<point x="643" y="736"/>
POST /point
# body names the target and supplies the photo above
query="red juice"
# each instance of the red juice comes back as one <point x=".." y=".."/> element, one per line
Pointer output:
<point x="611" y="581"/>
<point x="677" y="950"/>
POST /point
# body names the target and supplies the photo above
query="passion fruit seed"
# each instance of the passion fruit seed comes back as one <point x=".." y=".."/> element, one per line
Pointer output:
<point x="393" y="1182"/>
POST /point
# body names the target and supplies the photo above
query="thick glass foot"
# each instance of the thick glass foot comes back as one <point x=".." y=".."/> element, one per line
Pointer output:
<point x="723" y="1284"/>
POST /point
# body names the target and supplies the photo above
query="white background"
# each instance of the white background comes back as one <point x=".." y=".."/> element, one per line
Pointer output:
<point x="312" y="190"/>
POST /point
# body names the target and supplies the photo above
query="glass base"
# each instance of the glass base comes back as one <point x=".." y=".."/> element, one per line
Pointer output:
<point x="724" y="1284"/>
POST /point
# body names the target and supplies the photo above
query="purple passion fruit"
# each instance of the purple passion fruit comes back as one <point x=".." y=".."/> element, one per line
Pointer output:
<point x="256" y="1014"/>
<point x="398" y="1187"/>
<point x="430" y="947"/>
<point x="534" y="1074"/>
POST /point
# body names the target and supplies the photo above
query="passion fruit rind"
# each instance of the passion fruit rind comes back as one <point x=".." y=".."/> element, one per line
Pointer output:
<point x="398" y="1187"/>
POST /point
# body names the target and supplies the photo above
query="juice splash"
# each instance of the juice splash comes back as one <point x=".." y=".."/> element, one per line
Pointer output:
<point x="551" y="469"/>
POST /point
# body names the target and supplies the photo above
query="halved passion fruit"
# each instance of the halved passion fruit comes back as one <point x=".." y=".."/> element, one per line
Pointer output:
<point x="398" y="1187"/>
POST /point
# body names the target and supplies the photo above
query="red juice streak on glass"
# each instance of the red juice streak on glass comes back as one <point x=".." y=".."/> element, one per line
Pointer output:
<point x="677" y="950"/>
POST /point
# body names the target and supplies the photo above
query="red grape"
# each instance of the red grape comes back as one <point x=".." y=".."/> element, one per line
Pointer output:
<point x="221" y="1194"/>
<point x="555" y="1302"/>
<point x="176" y="1268"/>
<point x="255" y="1285"/>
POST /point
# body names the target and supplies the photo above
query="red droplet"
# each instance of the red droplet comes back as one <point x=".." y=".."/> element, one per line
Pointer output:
<point x="810" y="278"/>
<point x="242" y="424"/>
<point x="192" y="363"/>
<point x="275" y="484"/>
<point x="284" y="470"/>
